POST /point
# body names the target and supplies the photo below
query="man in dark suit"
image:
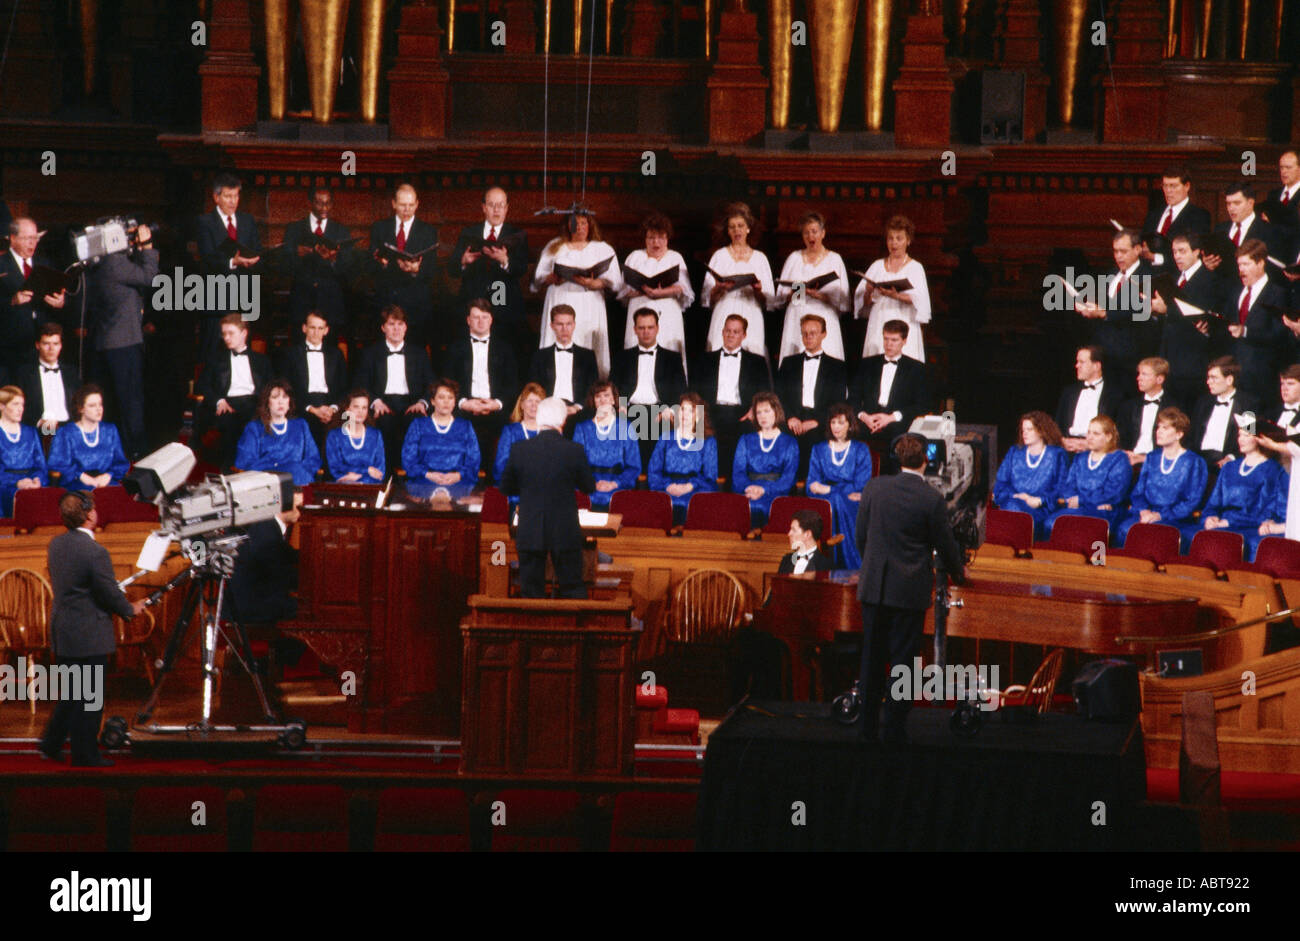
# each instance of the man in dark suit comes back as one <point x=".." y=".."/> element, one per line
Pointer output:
<point x="1287" y="414"/>
<point x="1188" y="344"/>
<point x="1214" y="427"/>
<point x="1124" y="327"/>
<point x="491" y="256"/>
<point x="1084" y="400"/>
<point x="1242" y="225"/>
<point x="728" y="379"/>
<point x="805" y="539"/>
<point x="544" y="471"/>
<point x="889" y="390"/>
<point x="216" y="230"/>
<point x="405" y="282"/>
<point x="318" y="375"/>
<point x="1280" y="207"/>
<point x="318" y="270"/>
<point x="261" y="586"/>
<point x="396" y="375"/>
<point x="120" y="286"/>
<point x="564" y="369"/>
<point x="483" y="366"/>
<point x="1136" y="420"/>
<point x="21" y="313"/>
<point x="228" y="388"/>
<point x="49" y="372"/>
<point x="901" y="520"/>
<point x="1176" y="217"/>
<point x="808" y="384"/>
<point x="1262" y="343"/>
<point x="86" y="597"/>
<point x="650" y="376"/>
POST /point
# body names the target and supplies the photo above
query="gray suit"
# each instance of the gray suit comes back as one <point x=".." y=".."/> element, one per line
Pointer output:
<point x="121" y="287"/>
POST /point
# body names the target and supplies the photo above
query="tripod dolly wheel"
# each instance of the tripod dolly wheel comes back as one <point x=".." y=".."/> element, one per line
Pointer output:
<point x="847" y="707"/>
<point x="114" y="733"/>
<point x="294" y="735"/>
<point x="966" y="719"/>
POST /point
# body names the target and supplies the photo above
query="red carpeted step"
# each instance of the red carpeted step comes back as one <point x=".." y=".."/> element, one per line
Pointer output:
<point x="678" y="721"/>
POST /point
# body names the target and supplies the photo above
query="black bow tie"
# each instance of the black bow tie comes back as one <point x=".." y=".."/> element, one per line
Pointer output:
<point x="1223" y="404"/>
<point x="240" y="353"/>
<point x="53" y="369"/>
<point x="315" y="349"/>
<point x="647" y="352"/>
<point x="1155" y="401"/>
<point x="477" y="340"/>
<point x="810" y="356"/>
<point x="1091" y="385"/>
<point x="397" y="352"/>
<point x="725" y="353"/>
<point x="891" y="362"/>
<point x="564" y="349"/>
<point x="802" y="555"/>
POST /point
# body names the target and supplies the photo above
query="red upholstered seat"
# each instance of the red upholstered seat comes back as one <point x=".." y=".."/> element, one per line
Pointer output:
<point x="57" y="819"/>
<point x="656" y="700"/>
<point x="584" y="500"/>
<point x="163" y="820"/>
<point x="496" y="508"/>
<point x="784" y="508"/>
<point x="115" y="505"/>
<point x="1009" y="528"/>
<point x="652" y="509"/>
<point x="649" y="822"/>
<point x="718" y="512"/>
<point x="37" y="507"/>
<point x="301" y="818"/>
<point x="537" y="821"/>
<point x="1278" y="557"/>
<point x="421" y="820"/>
<point x="1216" y="549"/>
<point x="1079" y="534"/>
<point x="677" y="721"/>
<point x="1156" y="542"/>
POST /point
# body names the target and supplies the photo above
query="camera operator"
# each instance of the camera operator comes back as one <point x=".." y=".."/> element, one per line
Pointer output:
<point x="118" y="287"/>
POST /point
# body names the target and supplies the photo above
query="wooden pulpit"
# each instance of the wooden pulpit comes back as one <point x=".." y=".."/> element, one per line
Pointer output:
<point x="548" y="688"/>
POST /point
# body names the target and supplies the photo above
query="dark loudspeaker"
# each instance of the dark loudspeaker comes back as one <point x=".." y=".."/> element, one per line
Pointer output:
<point x="996" y="100"/>
<point x="1107" y="690"/>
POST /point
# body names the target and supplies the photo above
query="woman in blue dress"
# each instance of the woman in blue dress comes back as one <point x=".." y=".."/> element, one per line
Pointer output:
<point x="766" y="460"/>
<point x="22" y="462"/>
<point x="1098" y="482"/>
<point x="1244" y="496"/>
<point x="523" y="425"/>
<point x="686" y="463"/>
<point x="354" y="454"/>
<point x="613" y="453"/>
<point x="1033" y="471"/>
<point x="276" y="441"/>
<point x="837" y="471"/>
<point x="441" y="450"/>
<point x="88" y="452"/>
<point x="1172" y="483"/>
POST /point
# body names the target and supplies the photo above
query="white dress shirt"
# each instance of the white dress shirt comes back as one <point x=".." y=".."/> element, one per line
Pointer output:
<point x="1187" y="275"/>
<point x="888" y="372"/>
<point x="228" y="223"/>
<point x="729" y="376"/>
<point x="1171" y="213"/>
<point x="563" y="373"/>
<point x="1216" y="429"/>
<point x="55" y="402"/>
<point x="241" y="375"/>
<point x="19" y="260"/>
<point x="316" y="370"/>
<point x="1086" y="408"/>
<point x="1253" y="293"/>
<point x="645" y="393"/>
<point x="403" y="229"/>
<point x="480" y="386"/>
<point x="1241" y="228"/>
<point x="810" y="368"/>
<point x="801" y="560"/>
<point x="1112" y="290"/>
<point x="1290" y="413"/>
<point x="396" y="384"/>
<point x="1150" y="406"/>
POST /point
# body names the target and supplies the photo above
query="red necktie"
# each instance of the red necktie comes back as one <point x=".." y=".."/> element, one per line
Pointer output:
<point x="1236" y="235"/>
<point x="492" y="234"/>
<point x="1182" y="279"/>
<point x="1165" y="223"/>
<point x="27" y="269"/>
<point x="1286" y="197"/>
<point x="320" y="229"/>
<point x="401" y="237"/>
<point x="231" y="230"/>
<point x="1243" y="309"/>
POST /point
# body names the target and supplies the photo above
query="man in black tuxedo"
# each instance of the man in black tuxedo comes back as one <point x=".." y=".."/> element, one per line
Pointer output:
<point x="901" y="520"/>
<point x="1282" y="204"/>
<point x="1262" y="343"/>
<point x="1188" y="344"/>
<point x="318" y="271"/>
<point x="396" y="375"/>
<point x="1287" y="414"/>
<point x="1136" y="420"/>
<point x="564" y="369"/>
<point x="650" y="376"/>
<point x="49" y="373"/>
<point x="1084" y="400"/>
<point x="805" y="540"/>
<point x="1124" y="327"/>
<point x="1214" y="426"/>
<point x="215" y="230"/>
<point x="261" y="586"/>
<point x="544" y="471"/>
<point x="483" y="365"/>
<point x="86" y="597"/>
<point x="20" y="312"/>
<point x="1242" y="225"/>
<point x="491" y="257"/>
<point x="808" y="384"/>
<point x="728" y="379"/>
<point x="318" y="375"/>
<point x="889" y="390"/>
<point x="228" y="388"/>
<point x="406" y="282"/>
<point x="1176" y="217"/>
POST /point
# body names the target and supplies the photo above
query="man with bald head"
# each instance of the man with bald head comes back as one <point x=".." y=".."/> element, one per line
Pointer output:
<point x="405" y="282"/>
<point x="490" y="257"/>
<point x="21" y="312"/>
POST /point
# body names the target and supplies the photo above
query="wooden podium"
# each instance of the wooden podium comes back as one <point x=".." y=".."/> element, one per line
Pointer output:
<point x="548" y="688"/>
<point x="381" y="593"/>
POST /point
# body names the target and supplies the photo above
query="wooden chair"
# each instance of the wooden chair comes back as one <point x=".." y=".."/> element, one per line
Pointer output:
<point x="25" y="602"/>
<point x="135" y="633"/>
<point x="1042" y="685"/>
<point x="706" y="610"/>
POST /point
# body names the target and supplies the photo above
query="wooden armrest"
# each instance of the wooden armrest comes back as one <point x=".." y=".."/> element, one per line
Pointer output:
<point x="834" y="540"/>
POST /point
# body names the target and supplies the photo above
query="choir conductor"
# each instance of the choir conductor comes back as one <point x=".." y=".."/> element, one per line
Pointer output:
<point x="901" y="519"/>
<point x="544" y="471"/>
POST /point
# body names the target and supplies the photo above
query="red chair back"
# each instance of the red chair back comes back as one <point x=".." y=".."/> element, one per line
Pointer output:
<point x="650" y="822"/>
<point x="1079" y="534"/>
<point x="496" y="508"/>
<point x="652" y="509"/>
<point x="784" y="508"/>
<point x="37" y="507"/>
<point x="718" y="512"/>
<point x="1154" y="541"/>
<point x="1279" y="557"/>
<point x="419" y="819"/>
<point x="300" y="818"/>
<point x="162" y="820"/>
<point x="1216" y="549"/>
<point x="47" y="819"/>
<point x="539" y="821"/>
<point x="1009" y="528"/>
<point x="115" y="505"/>
<point x="584" y="500"/>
